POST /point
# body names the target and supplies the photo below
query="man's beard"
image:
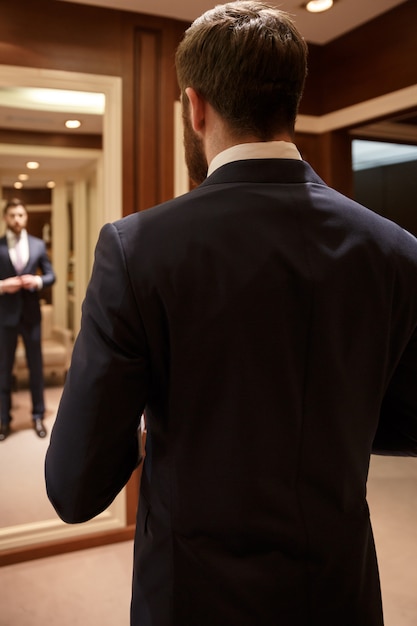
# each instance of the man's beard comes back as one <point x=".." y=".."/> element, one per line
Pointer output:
<point x="195" y="157"/>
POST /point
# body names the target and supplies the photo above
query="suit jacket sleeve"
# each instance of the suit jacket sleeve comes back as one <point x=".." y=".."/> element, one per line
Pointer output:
<point x="94" y="444"/>
<point x="38" y="259"/>
<point x="48" y="274"/>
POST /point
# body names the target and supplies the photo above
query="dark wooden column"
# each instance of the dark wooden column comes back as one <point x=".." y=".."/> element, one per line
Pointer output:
<point x="330" y="155"/>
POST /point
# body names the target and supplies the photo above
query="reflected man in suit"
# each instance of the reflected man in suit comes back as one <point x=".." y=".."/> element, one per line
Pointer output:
<point x="24" y="269"/>
<point x="267" y="325"/>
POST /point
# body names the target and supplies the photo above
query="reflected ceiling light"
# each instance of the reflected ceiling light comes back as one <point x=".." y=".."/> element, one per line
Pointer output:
<point x="18" y="185"/>
<point x="92" y="102"/>
<point x="32" y="165"/>
<point x="23" y="177"/>
<point x="317" y="6"/>
<point x="73" y="123"/>
<point x="50" y="184"/>
<point x="78" y="102"/>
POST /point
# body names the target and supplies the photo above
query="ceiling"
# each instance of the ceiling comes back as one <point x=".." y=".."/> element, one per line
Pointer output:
<point x="19" y="111"/>
<point x="319" y="28"/>
<point x="32" y="110"/>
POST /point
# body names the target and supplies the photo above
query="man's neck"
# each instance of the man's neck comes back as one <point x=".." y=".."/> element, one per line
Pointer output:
<point x="11" y="233"/>
<point x="219" y="137"/>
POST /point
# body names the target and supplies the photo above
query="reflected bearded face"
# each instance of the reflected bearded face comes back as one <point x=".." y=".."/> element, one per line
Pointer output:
<point x="16" y="219"/>
<point x="195" y="157"/>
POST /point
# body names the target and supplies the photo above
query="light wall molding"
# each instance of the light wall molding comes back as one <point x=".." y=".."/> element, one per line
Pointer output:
<point x="360" y="113"/>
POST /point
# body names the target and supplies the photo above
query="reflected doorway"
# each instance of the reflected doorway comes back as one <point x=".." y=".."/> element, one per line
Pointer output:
<point x="384" y="163"/>
<point x="385" y="179"/>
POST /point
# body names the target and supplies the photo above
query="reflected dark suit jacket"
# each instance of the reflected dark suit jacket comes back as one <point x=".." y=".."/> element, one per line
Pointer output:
<point x="267" y="325"/>
<point x="24" y="304"/>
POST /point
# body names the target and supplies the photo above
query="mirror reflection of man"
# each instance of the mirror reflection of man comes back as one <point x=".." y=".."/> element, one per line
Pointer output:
<point x="22" y="257"/>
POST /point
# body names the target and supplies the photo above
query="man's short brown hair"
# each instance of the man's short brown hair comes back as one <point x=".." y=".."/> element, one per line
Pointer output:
<point x="248" y="60"/>
<point x="12" y="204"/>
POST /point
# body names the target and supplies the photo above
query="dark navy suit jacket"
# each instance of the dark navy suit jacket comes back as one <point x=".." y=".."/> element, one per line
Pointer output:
<point x="24" y="304"/>
<point x="267" y="326"/>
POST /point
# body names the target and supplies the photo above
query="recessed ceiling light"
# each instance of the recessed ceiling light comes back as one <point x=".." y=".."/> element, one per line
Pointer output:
<point x="23" y="176"/>
<point x="18" y="185"/>
<point x="73" y="123"/>
<point x="317" y="6"/>
<point x="32" y="165"/>
<point x="50" y="184"/>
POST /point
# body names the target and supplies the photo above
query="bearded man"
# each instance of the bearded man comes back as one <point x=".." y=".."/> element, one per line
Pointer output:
<point x="266" y="325"/>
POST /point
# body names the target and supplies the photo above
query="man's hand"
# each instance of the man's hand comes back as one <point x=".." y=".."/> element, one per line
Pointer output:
<point x="29" y="281"/>
<point x="12" y="284"/>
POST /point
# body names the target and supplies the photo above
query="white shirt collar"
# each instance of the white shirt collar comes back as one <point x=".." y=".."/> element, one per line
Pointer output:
<point x="257" y="150"/>
<point x="11" y="237"/>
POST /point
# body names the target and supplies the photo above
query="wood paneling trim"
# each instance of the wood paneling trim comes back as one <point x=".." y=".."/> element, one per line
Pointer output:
<point x="155" y="90"/>
<point x="330" y="154"/>
<point x="147" y="119"/>
<point x="63" y="140"/>
<point x="42" y="550"/>
<point x="132" y="496"/>
<point x="166" y="35"/>
<point x="169" y="93"/>
<point x="311" y="103"/>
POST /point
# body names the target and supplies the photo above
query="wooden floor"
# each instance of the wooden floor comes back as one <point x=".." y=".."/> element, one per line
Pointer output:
<point x="86" y="588"/>
<point x="92" y="587"/>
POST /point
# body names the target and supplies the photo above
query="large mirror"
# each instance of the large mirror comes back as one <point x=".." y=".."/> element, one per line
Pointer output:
<point x="85" y="193"/>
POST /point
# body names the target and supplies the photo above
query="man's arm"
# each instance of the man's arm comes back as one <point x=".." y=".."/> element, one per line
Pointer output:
<point x="397" y="430"/>
<point x="10" y="285"/>
<point x="94" y="442"/>
<point x="45" y="265"/>
<point x="35" y="282"/>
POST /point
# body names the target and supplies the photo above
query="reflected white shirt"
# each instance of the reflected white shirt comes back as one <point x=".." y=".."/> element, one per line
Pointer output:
<point x="24" y="246"/>
<point x="24" y="251"/>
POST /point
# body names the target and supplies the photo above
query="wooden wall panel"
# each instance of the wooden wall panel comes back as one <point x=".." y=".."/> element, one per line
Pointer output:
<point x="60" y="35"/>
<point x="147" y="127"/>
<point x="374" y="59"/>
<point x="149" y="90"/>
<point x="330" y="155"/>
<point x="311" y="102"/>
<point x="63" y="140"/>
<point x="169" y="93"/>
<point x="148" y="117"/>
<point x="30" y="196"/>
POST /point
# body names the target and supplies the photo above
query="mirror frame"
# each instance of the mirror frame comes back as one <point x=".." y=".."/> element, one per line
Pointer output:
<point x="31" y="540"/>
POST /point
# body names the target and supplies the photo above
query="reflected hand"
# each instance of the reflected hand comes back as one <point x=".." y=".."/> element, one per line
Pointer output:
<point x="142" y="439"/>
<point x="12" y="284"/>
<point x="29" y="281"/>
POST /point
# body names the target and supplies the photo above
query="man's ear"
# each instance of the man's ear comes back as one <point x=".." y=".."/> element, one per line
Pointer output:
<point x="197" y="109"/>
